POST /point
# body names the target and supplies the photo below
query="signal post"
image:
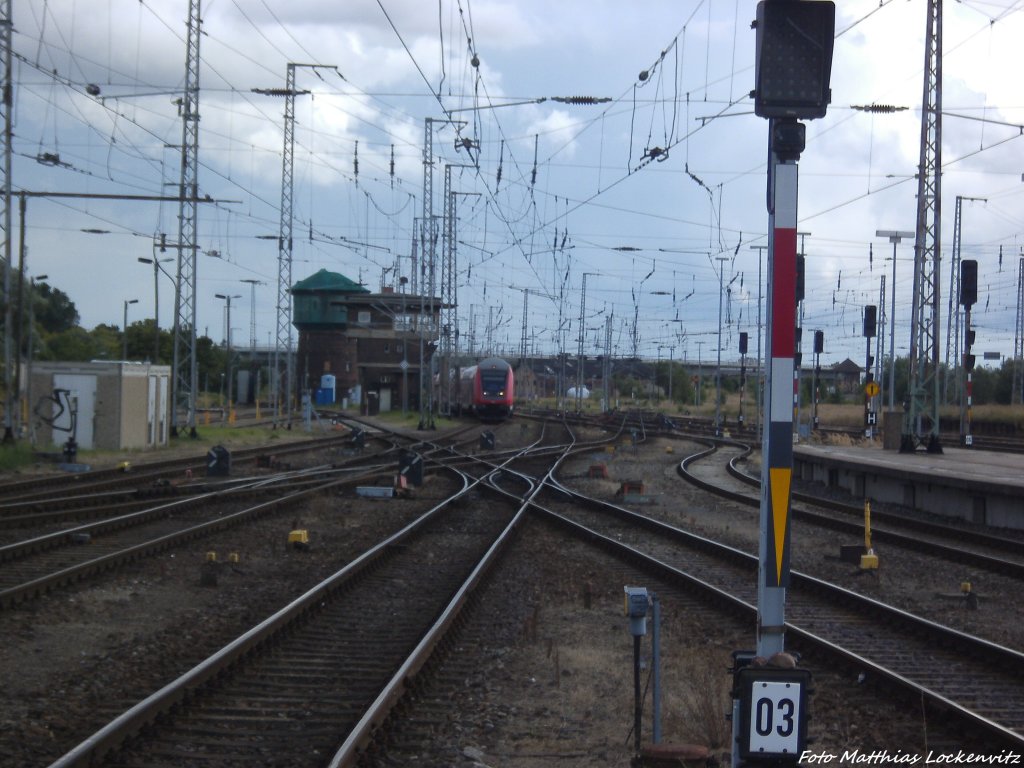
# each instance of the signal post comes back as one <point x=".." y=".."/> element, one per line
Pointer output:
<point x="794" y="61"/>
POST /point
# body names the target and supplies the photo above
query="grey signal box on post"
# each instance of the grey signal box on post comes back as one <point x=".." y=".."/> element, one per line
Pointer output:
<point x="794" y="58"/>
<point x="636" y="602"/>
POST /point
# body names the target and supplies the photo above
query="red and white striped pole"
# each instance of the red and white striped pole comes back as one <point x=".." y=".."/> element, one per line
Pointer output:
<point x="777" y="445"/>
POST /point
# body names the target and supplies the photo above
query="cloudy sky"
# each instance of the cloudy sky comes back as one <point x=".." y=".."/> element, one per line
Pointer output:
<point x="655" y="196"/>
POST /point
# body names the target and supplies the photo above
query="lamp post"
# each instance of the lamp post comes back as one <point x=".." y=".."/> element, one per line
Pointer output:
<point x="671" y="362"/>
<point x="227" y="340"/>
<point x="252" y="313"/>
<point x="700" y="376"/>
<point x="895" y="237"/>
<point x="757" y="411"/>
<point x="657" y="369"/>
<point x="157" y="269"/>
<point x="718" y="368"/>
<point x="253" y="368"/>
<point x="28" y="364"/>
<point x="124" y="329"/>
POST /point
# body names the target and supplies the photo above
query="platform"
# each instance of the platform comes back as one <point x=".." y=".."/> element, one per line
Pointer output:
<point x="981" y="487"/>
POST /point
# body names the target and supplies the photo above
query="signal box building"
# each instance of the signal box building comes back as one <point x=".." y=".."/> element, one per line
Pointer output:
<point x="110" y="405"/>
<point x="362" y="348"/>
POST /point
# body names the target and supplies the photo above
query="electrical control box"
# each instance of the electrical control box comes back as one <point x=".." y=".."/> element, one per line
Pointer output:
<point x="635" y="604"/>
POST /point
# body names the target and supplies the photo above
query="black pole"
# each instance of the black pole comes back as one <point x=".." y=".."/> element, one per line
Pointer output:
<point x="637" y="707"/>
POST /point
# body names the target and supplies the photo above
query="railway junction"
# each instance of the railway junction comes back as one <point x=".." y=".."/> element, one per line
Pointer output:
<point x="508" y="565"/>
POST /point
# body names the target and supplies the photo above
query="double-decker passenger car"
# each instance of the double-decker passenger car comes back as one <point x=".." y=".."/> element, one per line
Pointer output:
<point x="487" y="389"/>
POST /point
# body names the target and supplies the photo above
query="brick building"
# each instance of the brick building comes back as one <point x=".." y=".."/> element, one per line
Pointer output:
<point x="369" y="342"/>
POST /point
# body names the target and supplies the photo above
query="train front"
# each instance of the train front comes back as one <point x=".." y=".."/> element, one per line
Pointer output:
<point x="493" y="389"/>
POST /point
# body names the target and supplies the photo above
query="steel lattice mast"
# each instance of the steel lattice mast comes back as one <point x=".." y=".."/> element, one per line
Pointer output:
<point x="427" y="262"/>
<point x="449" y="321"/>
<point x="6" y="34"/>
<point x="186" y="372"/>
<point x="283" y="337"/>
<point x="1017" y="396"/>
<point x="921" y="420"/>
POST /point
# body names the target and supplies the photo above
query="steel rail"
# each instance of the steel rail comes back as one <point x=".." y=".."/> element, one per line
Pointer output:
<point x="937" y="703"/>
<point x="1014" y="568"/>
<point x="146" y="711"/>
<point x="71" y="574"/>
<point x="1007" y="659"/>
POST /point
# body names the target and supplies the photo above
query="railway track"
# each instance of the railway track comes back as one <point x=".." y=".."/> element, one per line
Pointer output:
<point x="978" y="683"/>
<point x="128" y="530"/>
<point x="997" y="553"/>
<point x="16" y="494"/>
<point x="645" y="543"/>
<point x="332" y="662"/>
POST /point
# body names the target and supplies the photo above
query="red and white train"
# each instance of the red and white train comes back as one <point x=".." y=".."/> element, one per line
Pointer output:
<point x="487" y="389"/>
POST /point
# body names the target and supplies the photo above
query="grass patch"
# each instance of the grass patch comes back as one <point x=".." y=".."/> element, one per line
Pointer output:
<point x="15" y="456"/>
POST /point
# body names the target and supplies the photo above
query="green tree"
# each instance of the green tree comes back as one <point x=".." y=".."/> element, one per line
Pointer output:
<point x="141" y="340"/>
<point x="75" y="344"/>
<point x="54" y="310"/>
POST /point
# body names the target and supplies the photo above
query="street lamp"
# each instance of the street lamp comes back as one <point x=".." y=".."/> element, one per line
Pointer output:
<point x="671" y="362"/>
<point x="253" y="368"/>
<point x="124" y="329"/>
<point x="718" y="369"/>
<point x="157" y="269"/>
<point x="700" y="376"/>
<point x="252" y="312"/>
<point x="227" y="339"/>
<point x="895" y="237"/>
<point x="657" y="370"/>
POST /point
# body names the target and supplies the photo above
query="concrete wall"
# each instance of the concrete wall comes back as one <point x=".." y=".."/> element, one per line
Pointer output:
<point x="983" y="503"/>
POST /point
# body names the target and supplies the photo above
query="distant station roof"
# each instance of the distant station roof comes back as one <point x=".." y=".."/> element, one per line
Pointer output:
<point x="330" y="282"/>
